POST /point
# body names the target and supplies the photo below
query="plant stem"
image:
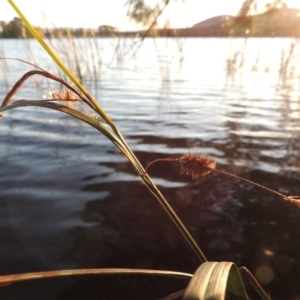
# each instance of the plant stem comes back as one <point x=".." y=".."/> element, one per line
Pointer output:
<point x="122" y="145"/>
<point x="61" y="65"/>
<point x="160" y="159"/>
<point x="226" y="174"/>
<point x="251" y="182"/>
<point x="8" y="279"/>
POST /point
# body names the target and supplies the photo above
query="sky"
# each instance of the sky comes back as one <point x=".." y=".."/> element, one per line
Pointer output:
<point x="93" y="13"/>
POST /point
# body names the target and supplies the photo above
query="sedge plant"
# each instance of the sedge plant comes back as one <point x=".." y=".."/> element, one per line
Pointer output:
<point x="212" y="280"/>
<point x="196" y="165"/>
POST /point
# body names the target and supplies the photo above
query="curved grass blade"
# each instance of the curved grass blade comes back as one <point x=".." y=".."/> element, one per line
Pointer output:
<point x="119" y="143"/>
<point x="126" y="149"/>
<point x="70" y="111"/>
<point x="216" y="281"/>
<point x="43" y="73"/>
<point x="248" y="276"/>
<point x="9" y="279"/>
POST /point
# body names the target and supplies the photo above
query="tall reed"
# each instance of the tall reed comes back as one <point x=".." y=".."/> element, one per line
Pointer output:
<point x="107" y="127"/>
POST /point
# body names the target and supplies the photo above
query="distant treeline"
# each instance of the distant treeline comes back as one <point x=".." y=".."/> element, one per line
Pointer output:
<point x="281" y="22"/>
<point x="16" y="29"/>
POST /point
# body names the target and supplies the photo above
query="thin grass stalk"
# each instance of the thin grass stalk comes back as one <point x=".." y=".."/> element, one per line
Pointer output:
<point x="75" y="55"/>
<point x="121" y="144"/>
<point x="72" y="112"/>
<point x="23" y="61"/>
<point x="3" y="66"/>
<point x="152" y="187"/>
<point x="125" y="148"/>
<point x="97" y="67"/>
<point x="197" y="166"/>
<point x="67" y="72"/>
<point x="150" y="27"/>
<point x="117" y="142"/>
<point x="20" y="82"/>
<point x="252" y="182"/>
<point x="61" y="65"/>
<point x="89" y="37"/>
<point x="61" y="45"/>
<point x="155" y="191"/>
<point x="262" y="293"/>
<point x="97" y="56"/>
<point x="8" y="279"/>
<point x="56" y="41"/>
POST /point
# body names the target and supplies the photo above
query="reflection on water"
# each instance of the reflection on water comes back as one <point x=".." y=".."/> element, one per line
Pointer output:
<point x="69" y="199"/>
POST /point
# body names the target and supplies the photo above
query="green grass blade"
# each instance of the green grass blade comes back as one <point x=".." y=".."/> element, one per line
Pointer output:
<point x="215" y="281"/>
<point x="61" y="64"/>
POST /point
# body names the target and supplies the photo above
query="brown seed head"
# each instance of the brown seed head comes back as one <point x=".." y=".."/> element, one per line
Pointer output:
<point x="196" y="165"/>
<point x="66" y="95"/>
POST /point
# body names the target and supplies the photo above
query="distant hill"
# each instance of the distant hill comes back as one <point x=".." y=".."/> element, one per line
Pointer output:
<point x="218" y="26"/>
<point x="281" y="22"/>
<point x="284" y="22"/>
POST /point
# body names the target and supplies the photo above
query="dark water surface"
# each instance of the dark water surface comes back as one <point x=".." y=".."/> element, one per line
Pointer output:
<point x="70" y="200"/>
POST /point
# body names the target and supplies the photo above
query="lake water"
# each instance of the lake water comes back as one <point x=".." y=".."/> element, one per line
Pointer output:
<point x="69" y="199"/>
